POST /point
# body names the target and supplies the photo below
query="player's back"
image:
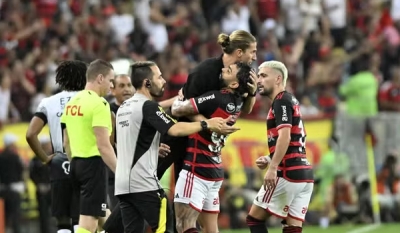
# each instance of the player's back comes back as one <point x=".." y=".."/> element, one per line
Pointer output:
<point x="83" y="112"/>
<point x="50" y="110"/>
<point x="285" y="112"/>
<point x="203" y="156"/>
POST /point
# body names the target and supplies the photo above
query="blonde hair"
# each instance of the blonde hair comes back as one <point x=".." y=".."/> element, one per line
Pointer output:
<point x="278" y="66"/>
<point x="238" y="39"/>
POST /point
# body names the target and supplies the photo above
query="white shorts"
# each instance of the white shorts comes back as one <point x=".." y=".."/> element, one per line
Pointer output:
<point x="286" y="199"/>
<point x="200" y="194"/>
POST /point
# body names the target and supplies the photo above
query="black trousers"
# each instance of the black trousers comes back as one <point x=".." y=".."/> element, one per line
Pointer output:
<point x="152" y="207"/>
<point x="178" y="149"/>
<point x="12" y="202"/>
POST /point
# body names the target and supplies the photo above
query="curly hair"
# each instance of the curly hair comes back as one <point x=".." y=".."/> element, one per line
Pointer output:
<point x="243" y="76"/>
<point x="71" y="75"/>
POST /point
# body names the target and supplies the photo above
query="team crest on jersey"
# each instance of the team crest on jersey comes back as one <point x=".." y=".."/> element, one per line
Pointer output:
<point x="230" y="108"/>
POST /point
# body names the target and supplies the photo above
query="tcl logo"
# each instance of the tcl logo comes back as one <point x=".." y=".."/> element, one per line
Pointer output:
<point x="74" y="110"/>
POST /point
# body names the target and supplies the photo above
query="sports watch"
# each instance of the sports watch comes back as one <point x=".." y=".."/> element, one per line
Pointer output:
<point x="204" y="125"/>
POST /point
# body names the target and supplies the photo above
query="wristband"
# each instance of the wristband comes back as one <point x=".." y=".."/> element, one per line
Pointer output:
<point x="252" y="95"/>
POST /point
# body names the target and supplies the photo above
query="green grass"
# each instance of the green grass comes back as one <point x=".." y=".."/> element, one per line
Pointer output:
<point x="384" y="228"/>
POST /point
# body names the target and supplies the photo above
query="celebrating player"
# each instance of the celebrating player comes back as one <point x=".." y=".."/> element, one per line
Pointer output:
<point x="70" y="76"/>
<point x="197" y="189"/>
<point x="288" y="182"/>
<point x="239" y="46"/>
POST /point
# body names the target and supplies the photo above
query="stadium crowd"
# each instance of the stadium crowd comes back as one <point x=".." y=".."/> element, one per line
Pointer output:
<point x="342" y="55"/>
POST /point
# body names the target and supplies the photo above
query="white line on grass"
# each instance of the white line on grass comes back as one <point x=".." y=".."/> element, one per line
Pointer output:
<point x="365" y="229"/>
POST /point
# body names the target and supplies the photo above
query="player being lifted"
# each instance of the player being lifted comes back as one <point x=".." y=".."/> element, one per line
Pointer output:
<point x="70" y="76"/>
<point x="288" y="182"/>
<point x="198" y="185"/>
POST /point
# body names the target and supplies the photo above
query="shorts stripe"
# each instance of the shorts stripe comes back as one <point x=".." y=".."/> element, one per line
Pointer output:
<point x="188" y="185"/>
<point x="162" y="220"/>
<point x="191" y="184"/>
<point x="268" y="194"/>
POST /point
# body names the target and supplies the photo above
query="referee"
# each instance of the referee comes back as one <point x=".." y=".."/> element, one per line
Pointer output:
<point x="88" y="126"/>
<point x="140" y="121"/>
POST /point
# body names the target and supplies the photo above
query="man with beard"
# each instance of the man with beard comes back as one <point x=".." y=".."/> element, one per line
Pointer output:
<point x="289" y="180"/>
<point x="140" y="121"/>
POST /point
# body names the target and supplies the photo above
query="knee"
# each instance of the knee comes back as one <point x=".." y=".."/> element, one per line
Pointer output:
<point x="251" y="221"/>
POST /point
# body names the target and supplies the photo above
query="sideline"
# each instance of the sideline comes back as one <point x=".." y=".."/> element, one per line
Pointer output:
<point x="365" y="229"/>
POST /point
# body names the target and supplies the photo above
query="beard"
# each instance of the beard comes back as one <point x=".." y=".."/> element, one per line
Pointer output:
<point x="157" y="93"/>
<point x="266" y="91"/>
<point x="222" y="83"/>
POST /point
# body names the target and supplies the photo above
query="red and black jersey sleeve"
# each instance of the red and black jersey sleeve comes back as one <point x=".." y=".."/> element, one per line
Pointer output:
<point x="206" y="104"/>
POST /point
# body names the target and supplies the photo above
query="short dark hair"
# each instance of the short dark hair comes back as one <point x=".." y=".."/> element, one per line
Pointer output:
<point x="140" y="71"/>
<point x="97" y="67"/>
<point x="243" y="76"/>
<point x="71" y="75"/>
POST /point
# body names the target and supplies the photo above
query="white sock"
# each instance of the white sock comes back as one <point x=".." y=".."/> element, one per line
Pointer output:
<point x="324" y="222"/>
<point x="64" y="231"/>
<point x="102" y="231"/>
<point x="76" y="228"/>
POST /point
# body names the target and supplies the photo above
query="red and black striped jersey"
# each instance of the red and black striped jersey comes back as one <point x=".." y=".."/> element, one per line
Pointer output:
<point x="203" y="152"/>
<point x="285" y="112"/>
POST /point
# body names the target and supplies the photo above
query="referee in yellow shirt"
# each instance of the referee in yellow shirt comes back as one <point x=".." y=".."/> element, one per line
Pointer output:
<point x="88" y="126"/>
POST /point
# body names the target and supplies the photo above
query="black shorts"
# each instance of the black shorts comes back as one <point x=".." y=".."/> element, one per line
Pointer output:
<point x="65" y="199"/>
<point x="152" y="207"/>
<point x="90" y="177"/>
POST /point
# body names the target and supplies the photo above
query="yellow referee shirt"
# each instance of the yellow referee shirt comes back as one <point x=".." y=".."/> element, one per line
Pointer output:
<point x="83" y="112"/>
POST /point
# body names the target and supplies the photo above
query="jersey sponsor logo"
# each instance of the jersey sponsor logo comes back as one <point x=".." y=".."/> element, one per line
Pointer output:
<point x="205" y="98"/>
<point x="230" y="108"/>
<point x="65" y="167"/>
<point x="124" y="123"/>
<point x="124" y="114"/>
<point x="64" y="101"/>
<point x="59" y="114"/>
<point x="163" y="117"/>
<point x="284" y="113"/>
<point x="74" y="110"/>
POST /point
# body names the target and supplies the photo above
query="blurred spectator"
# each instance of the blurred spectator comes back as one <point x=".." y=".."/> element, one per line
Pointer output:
<point x="389" y="189"/>
<point x="361" y="90"/>
<point x="40" y="175"/>
<point x="307" y="109"/>
<point x="389" y="92"/>
<point x="11" y="182"/>
<point x="336" y="11"/>
<point x="6" y="106"/>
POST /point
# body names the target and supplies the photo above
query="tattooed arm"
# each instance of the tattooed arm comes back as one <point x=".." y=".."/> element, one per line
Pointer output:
<point x="184" y="108"/>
